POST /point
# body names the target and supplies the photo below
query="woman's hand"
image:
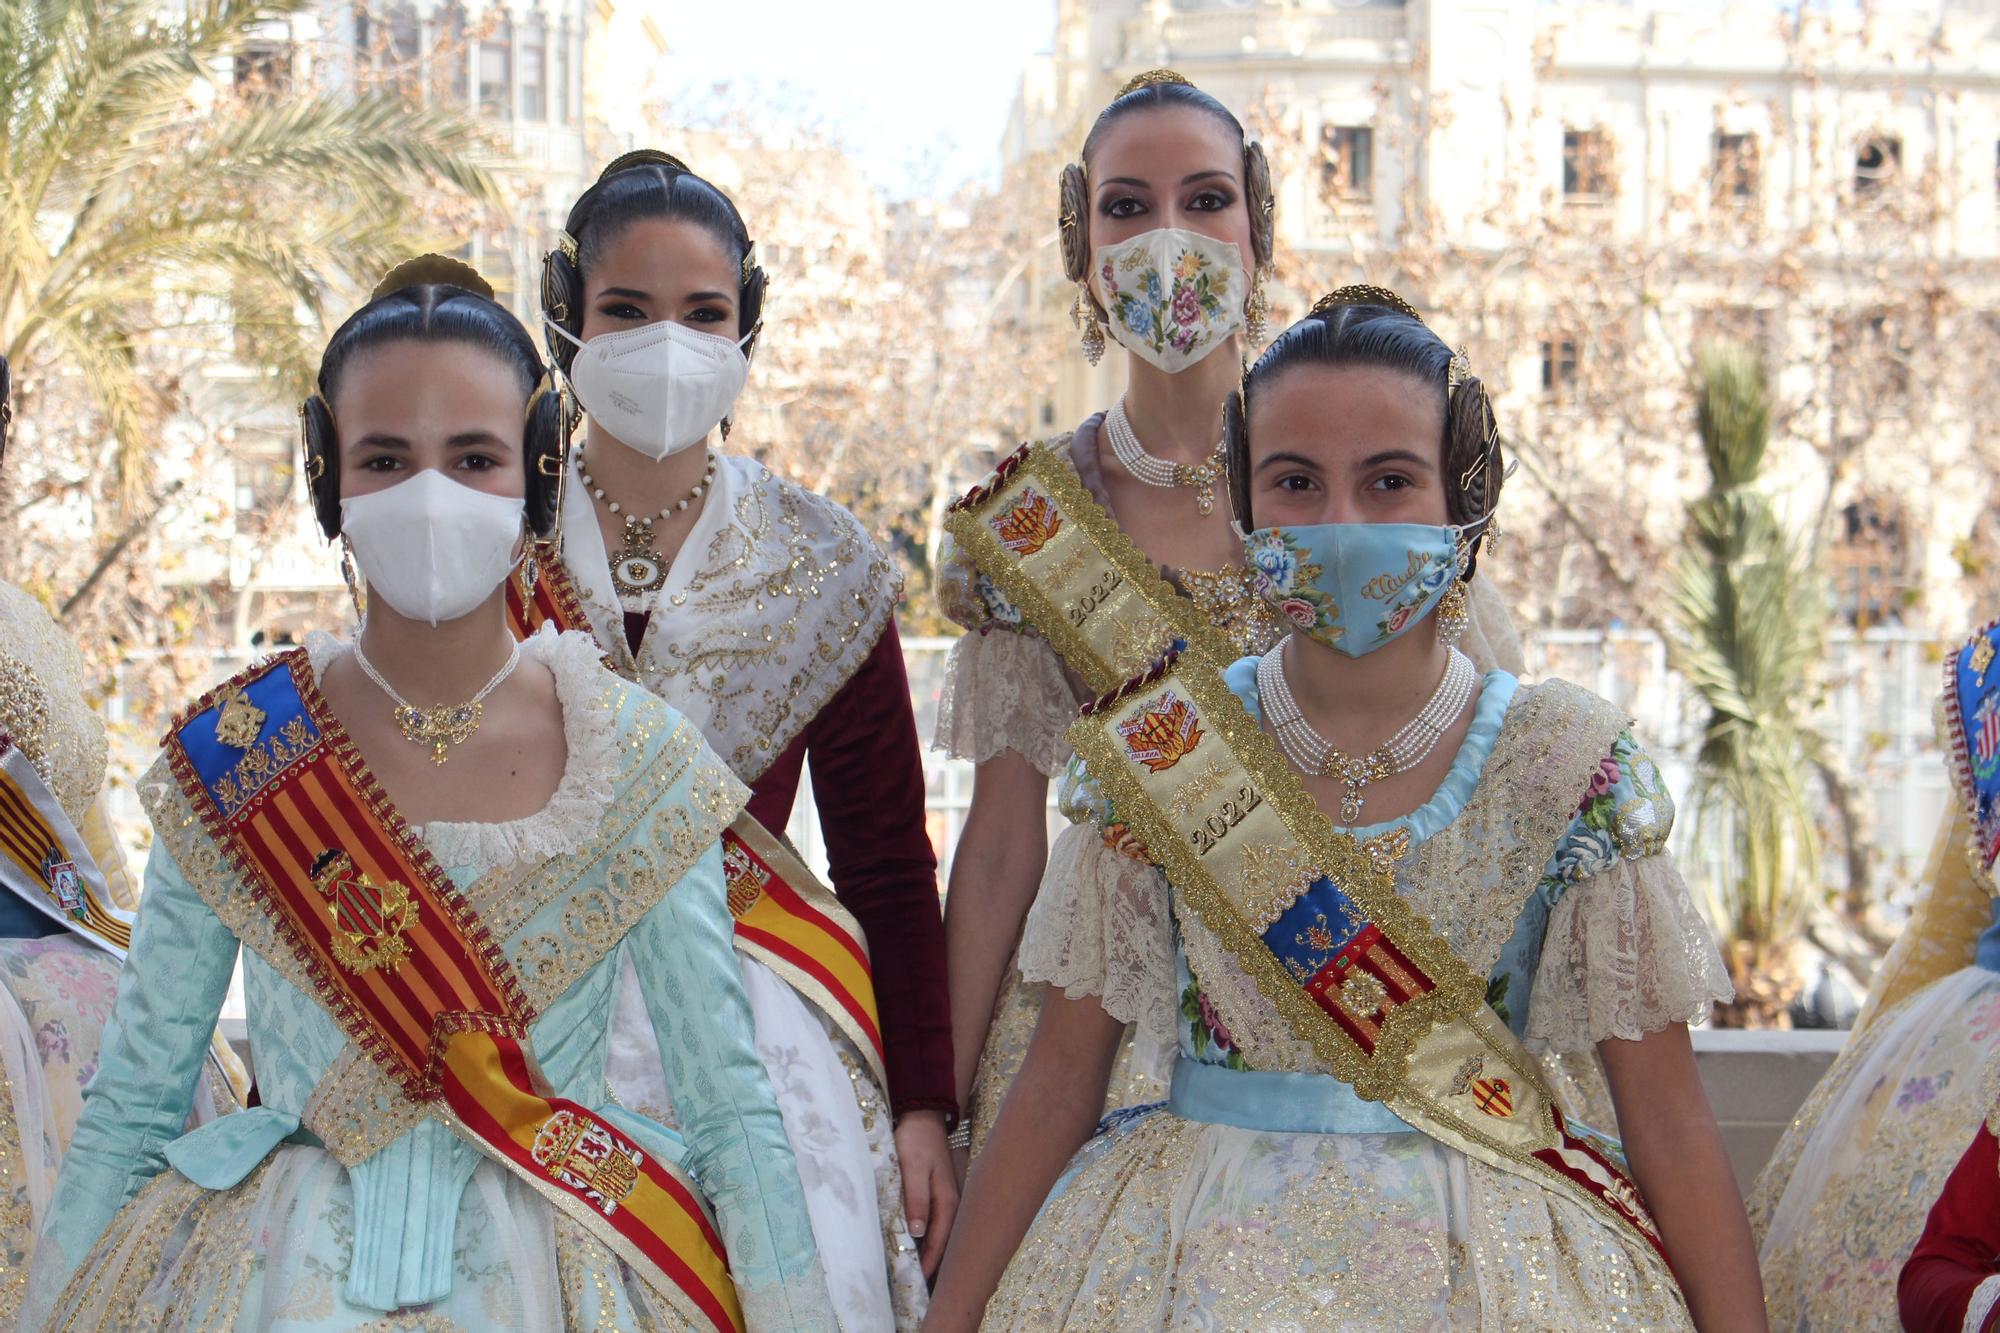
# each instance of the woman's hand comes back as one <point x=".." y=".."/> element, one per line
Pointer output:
<point x="1680" y="1166"/>
<point x="930" y="1183"/>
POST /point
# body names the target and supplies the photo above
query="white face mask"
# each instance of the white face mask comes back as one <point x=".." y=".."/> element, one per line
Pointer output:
<point x="660" y="389"/>
<point x="431" y="548"/>
<point x="1173" y="295"/>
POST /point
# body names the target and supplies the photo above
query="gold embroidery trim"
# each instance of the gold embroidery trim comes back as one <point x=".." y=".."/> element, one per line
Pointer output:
<point x="1452" y="1023"/>
<point x="1105" y="626"/>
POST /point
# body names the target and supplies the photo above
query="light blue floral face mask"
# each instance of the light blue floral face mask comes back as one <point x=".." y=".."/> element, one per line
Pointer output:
<point x="1354" y="586"/>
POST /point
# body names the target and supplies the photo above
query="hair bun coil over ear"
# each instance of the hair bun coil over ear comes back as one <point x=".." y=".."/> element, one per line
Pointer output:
<point x="546" y="429"/>
<point x="1262" y="200"/>
<point x="1073" y="222"/>
<point x="321" y="445"/>
<point x="562" y="300"/>
<point x="433" y="269"/>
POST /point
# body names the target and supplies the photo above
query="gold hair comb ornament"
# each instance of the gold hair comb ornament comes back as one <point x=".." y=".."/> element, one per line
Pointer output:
<point x="1365" y="293"/>
<point x="1458" y="372"/>
<point x="642" y="157"/>
<point x="1153" y="78"/>
<point x="426" y="270"/>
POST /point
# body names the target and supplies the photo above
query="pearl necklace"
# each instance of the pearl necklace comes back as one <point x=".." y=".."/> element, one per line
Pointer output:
<point x="1155" y="471"/>
<point x="1312" y="753"/>
<point x="440" y="723"/>
<point x="636" y="567"/>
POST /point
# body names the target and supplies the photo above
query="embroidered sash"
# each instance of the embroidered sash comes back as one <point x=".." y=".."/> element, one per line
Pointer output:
<point x="1054" y="552"/>
<point x="1315" y="921"/>
<point x="405" y="966"/>
<point x="790" y="922"/>
<point x="785" y="918"/>
<point x="45" y="860"/>
<point x="555" y="600"/>
<point x="1972" y="727"/>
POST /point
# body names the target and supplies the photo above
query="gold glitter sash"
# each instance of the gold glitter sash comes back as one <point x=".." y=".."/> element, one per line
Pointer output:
<point x="1055" y="553"/>
<point x="1315" y="921"/>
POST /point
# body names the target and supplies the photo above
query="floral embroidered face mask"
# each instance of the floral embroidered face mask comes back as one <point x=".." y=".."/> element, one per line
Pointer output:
<point x="1354" y="586"/>
<point x="1173" y="295"/>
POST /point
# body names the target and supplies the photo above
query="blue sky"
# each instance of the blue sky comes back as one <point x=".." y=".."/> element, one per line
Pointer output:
<point x="919" y="90"/>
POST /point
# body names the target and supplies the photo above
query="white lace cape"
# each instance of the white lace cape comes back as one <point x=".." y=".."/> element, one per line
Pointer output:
<point x="576" y="809"/>
<point x="773" y="601"/>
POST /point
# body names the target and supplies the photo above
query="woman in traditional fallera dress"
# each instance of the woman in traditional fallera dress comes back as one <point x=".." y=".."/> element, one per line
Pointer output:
<point x="766" y="615"/>
<point x="1843" y="1199"/>
<point x="1356" y="1136"/>
<point x="65" y="918"/>
<point x="437" y="849"/>
<point x="1167" y="228"/>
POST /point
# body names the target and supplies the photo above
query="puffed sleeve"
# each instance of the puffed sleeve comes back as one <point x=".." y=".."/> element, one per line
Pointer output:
<point x="1004" y="687"/>
<point x="1626" y="951"/>
<point x="169" y="995"/>
<point x="1100" y="924"/>
<point x="683" y="952"/>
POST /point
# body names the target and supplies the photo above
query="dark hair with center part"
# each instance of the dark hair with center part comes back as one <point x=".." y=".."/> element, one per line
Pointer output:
<point x="435" y="313"/>
<point x="636" y="193"/>
<point x="1471" y="461"/>
<point x="1152" y="97"/>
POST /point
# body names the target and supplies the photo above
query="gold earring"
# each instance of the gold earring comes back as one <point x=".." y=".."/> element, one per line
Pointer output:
<point x="353" y="581"/>
<point x="1257" y="309"/>
<point x="530" y="571"/>
<point x="1084" y="315"/>
<point x="1452" y="614"/>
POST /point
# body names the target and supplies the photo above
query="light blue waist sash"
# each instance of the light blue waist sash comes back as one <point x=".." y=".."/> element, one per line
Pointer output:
<point x="1278" y="1103"/>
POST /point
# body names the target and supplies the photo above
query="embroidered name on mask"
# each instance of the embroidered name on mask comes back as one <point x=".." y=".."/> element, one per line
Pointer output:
<point x="1384" y="586"/>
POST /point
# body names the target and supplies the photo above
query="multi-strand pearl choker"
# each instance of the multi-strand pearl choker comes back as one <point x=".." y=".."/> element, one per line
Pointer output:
<point x="1312" y="753"/>
<point x="1156" y="471"/>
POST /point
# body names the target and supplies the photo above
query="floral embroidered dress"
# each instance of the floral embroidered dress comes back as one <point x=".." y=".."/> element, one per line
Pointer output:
<point x="255" y="1222"/>
<point x="1007" y="689"/>
<point x="1842" y="1202"/>
<point x="55" y="988"/>
<point x="775" y="633"/>
<point x="1268" y="1195"/>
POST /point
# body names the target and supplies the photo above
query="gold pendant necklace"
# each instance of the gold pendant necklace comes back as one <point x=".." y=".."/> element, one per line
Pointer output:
<point x="636" y="566"/>
<point x="439" y="725"/>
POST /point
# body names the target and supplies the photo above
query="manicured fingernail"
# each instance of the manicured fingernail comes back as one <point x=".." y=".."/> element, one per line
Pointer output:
<point x="917" y="1229"/>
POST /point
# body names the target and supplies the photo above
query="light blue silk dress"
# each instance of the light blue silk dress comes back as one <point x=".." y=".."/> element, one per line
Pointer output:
<point x="251" y="1223"/>
<point x="1265" y="1193"/>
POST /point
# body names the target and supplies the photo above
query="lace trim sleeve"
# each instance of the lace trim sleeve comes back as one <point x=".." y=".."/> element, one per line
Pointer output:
<point x="1004" y="690"/>
<point x="1100" y="926"/>
<point x="1626" y="953"/>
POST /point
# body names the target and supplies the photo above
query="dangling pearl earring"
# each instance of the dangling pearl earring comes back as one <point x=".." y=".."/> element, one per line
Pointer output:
<point x="1453" y="613"/>
<point x="1084" y="316"/>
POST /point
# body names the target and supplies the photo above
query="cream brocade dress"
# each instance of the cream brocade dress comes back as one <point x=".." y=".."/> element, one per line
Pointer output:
<point x="1843" y="1200"/>
<point x="1006" y="689"/>
<point x="1166" y="1221"/>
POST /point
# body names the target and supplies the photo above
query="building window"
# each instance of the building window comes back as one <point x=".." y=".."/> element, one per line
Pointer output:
<point x="534" y="70"/>
<point x="1735" y="167"/>
<point x="1559" y="367"/>
<point x="1586" y="164"/>
<point x="1877" y="161"/>
<point x="264" y="68"/>
<point x="1869" y="565"/>
<point x="496" y="74"/>
<point x="1346" y="162"/>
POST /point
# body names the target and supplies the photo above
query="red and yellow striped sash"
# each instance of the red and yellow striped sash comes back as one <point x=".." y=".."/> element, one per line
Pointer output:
<point x="45" y="860"/>
<point x="794" y="925"/>
<point x="554" y="602"/>
<point x="403" y="963"/>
